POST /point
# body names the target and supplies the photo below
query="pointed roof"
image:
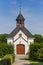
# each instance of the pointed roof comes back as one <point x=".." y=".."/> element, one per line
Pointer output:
<point x="20" y="17"/>
<point x="23" y="29"/>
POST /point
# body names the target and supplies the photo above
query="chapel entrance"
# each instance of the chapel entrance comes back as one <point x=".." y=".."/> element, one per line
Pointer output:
<point x="20" y="49"/>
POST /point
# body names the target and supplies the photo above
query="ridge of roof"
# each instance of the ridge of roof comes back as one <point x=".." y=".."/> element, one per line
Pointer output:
<point x="23" y="29"/>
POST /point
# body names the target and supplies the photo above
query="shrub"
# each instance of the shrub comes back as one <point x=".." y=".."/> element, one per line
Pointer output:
<point x="10" y="56"/>
<point x="3" y="38"/>
<point x="6" y="49"/>
<point x="38" y="38"/>
<point x="5" y="62"/>
<point x="40" y="54"/>
<point x="34" y="49"/>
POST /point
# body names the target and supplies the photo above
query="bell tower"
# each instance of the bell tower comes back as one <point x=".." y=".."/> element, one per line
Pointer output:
<point x="20" y="20"/>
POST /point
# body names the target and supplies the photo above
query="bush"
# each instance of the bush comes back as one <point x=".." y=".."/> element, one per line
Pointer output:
<point x="5" y="62"/>
<point x="38" y="38"/>
<point x="34" y="49"/>
<point x="40" y="54"/>
<point x="3" y="38"/>
<point x="10" y="56"/>
<point x="6" y="49"/>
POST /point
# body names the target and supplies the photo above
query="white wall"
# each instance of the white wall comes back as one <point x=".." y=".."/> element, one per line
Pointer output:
<point x="22" y="42"/>
<point x="9" y="40"/>
<point x="30" y="40"/>
<point x="17" y="35"/>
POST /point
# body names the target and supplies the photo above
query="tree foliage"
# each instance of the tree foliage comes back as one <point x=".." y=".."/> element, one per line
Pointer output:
<point x="38" y="38"/>
<point x="36" y="51"/>
<point x="3" y="38"/>
<point x="6" y="49"/>
<point x="40" y="54"/>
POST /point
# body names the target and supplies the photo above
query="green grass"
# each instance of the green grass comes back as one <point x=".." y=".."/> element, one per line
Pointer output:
<point x="32" y="62"/>
<point x="35" y="63"/>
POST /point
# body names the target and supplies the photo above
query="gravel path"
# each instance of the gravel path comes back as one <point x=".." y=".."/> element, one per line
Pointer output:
<point x="21" y="61"/>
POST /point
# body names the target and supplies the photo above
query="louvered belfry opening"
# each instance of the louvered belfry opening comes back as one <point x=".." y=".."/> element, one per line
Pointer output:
<point x="20" y="20"/>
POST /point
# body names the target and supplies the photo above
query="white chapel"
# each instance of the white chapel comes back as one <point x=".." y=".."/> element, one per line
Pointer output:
<point x="20" y="37"/>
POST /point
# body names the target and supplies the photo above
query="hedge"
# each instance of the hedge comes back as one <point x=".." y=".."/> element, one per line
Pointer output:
<point x="40" y="54"/>
<point x="6" y="49"/>
<point x="34" y="49"/>
<point x="9" y="56"/>
<point x="3" y="38"/>
<point x="5" y="62"/>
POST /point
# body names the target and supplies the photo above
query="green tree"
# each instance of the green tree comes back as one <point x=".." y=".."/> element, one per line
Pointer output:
<point x="40" y="54"/>
<point x="38" y="38"/>
<point x="3" y="38"/>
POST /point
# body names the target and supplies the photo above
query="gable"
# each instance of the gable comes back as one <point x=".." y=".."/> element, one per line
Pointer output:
<point x="23" y="29"/>
<point x="18" y="35"/>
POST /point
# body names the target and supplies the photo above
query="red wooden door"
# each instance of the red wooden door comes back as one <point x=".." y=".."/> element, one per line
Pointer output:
<point x="20" y="49"/>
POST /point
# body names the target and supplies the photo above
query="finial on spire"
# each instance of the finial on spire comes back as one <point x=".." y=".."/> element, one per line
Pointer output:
<point x="20" y="7"/>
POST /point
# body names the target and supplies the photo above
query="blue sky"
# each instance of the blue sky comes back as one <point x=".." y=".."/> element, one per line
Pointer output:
<point x="32" y="11"/>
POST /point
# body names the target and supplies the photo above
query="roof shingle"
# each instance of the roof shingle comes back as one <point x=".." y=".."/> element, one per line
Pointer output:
<point x="23" y="29"/>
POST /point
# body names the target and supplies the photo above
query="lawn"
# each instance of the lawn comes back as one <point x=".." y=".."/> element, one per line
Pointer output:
<point x="36" y="63"/>
<point x="33" y="62"/>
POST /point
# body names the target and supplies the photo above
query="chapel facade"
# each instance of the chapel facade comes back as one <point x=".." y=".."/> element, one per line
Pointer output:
<point x="20" y="37"/>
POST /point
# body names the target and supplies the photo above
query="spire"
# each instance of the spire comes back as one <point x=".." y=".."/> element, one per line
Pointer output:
<point x="20" y="19"/>
<point x="20" y="7"/>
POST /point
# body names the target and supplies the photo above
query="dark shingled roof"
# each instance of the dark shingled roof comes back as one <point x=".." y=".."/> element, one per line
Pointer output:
<point x="20" y="17"/>
<point x="23" y="29"/>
